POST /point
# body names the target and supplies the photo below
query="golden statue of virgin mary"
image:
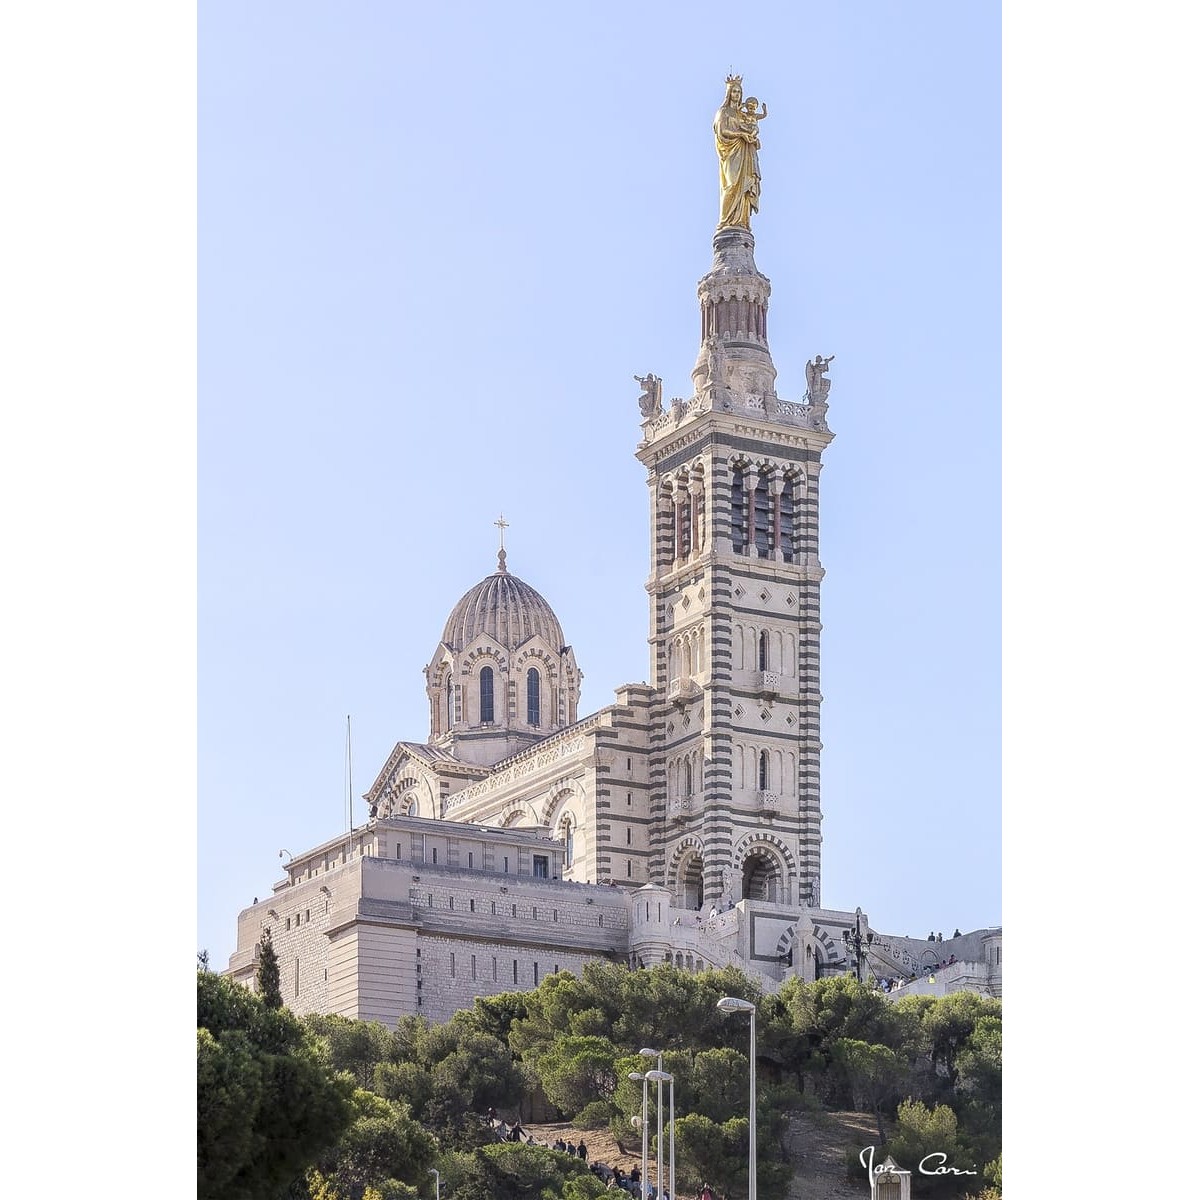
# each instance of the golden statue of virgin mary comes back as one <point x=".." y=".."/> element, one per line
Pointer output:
<point x="736" y="130"/>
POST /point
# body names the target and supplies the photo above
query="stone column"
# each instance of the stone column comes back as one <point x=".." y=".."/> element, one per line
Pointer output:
<point x="775" y="488"/>
<point x="749" y="489"/>
<point x="696" y="498"/>
<point x="680" y="499"/>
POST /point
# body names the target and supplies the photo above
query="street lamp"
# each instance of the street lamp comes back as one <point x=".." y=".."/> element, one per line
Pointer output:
<point x="854" y="941"/>
<point x="665" y="1077"/>
<point x="730" y="1004"/>
<point x="646" y="1052"/>
<point x="636" y="1076"/>
<point x="437" y="1183"/>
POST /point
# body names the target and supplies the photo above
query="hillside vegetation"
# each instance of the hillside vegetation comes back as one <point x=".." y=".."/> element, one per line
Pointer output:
<point x="395" y="1105"/>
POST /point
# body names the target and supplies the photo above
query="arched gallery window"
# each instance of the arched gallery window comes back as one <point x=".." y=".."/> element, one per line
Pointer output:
<point x="487" y="704"/>
<point x="737" y="512"/>
<point x="763" y="772"/>
<point x="762" y="651"/>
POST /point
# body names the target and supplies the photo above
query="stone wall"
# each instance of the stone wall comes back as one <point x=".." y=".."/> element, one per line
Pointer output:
<point x="454" y="970"/>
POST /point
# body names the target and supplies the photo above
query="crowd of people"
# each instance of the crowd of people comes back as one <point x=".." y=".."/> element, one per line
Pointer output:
<point x="613" y="1177"/>
<point x="890" y="983"/>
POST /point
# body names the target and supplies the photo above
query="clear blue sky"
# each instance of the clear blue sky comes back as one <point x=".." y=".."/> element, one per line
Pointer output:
<point x="435" y="244"/>
<point x="321" y="194"/>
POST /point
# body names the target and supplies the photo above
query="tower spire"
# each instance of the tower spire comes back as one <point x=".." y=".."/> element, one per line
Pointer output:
<point x="734" y="356"/>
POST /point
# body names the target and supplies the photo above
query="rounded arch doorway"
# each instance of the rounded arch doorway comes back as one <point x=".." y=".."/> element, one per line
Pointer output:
<point x="762" y="876"/>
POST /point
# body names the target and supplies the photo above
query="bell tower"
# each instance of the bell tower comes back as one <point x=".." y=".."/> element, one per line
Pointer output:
<point x="734" y="586"/>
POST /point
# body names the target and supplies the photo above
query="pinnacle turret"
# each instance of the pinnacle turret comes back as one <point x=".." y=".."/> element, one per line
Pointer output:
<point x="733" y="296"/>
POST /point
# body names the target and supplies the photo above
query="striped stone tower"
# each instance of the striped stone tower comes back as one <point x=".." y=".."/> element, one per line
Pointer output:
<point x="733" y="475"/>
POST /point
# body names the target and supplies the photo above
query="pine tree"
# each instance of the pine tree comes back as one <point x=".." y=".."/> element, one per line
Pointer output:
<point x="267" y="975"/>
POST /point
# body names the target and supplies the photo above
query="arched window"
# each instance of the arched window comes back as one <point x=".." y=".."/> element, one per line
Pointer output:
<point x="487" y="704"/>
<point x="687" y="777"/>
<point x="737" y="511"/>
<point x="666" y="525"/>
<point x="787" y="519"/>
<point x="762" y="651"/>
<point x="568" y="835"/>
<point x="763" y="533"/>
<point x="533" y="696"/>
<point x="683" y="503"/>
<point x="449" y="704"/>
<point x="763" y="772"/>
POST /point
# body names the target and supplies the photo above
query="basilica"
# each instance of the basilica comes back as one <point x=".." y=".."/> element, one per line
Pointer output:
<point x="682" y="822"/>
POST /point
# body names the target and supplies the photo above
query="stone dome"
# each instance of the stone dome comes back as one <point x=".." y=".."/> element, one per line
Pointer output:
<point x="507" y="609"/>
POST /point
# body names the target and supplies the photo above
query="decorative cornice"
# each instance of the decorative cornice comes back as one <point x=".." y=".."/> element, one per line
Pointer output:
<point x="550" y="750"/>
<point x="746" y="415"/>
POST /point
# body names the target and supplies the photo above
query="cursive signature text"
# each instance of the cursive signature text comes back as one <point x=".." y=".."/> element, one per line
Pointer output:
<point x="867" y="1159"/>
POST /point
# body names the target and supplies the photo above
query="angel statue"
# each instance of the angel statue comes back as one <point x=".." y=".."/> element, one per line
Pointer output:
<point x="650" y="401"/>
<point x="818" y="388"/>
<point x="716" y="361"/>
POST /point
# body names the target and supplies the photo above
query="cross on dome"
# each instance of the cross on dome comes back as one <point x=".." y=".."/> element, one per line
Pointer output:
<point x="502" y="525"/>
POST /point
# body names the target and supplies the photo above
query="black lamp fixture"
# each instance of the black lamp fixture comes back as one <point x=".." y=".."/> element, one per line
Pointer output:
<point x="855" y="941"/>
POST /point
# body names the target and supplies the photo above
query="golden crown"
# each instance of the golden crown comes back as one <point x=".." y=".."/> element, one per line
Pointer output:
<point x="733" y="78"/>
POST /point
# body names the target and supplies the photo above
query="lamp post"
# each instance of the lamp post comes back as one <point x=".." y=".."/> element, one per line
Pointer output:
<point x="667" y="1078"/>
<point x="854" y="941"/>
<point x="646" y="1052"/>
<point x="437" y="1183"/>
<point x="636" y="1076"/>
<point x="730" y="1004"/>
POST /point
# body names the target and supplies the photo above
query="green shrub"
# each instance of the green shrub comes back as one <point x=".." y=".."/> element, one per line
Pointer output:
<point x="595" y="1115"/>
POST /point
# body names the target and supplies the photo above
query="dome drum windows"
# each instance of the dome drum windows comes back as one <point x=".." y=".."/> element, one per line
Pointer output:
<point x="533" y="697"/>
<point x="503" y="674"/>
<point x="487" y="696"/>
